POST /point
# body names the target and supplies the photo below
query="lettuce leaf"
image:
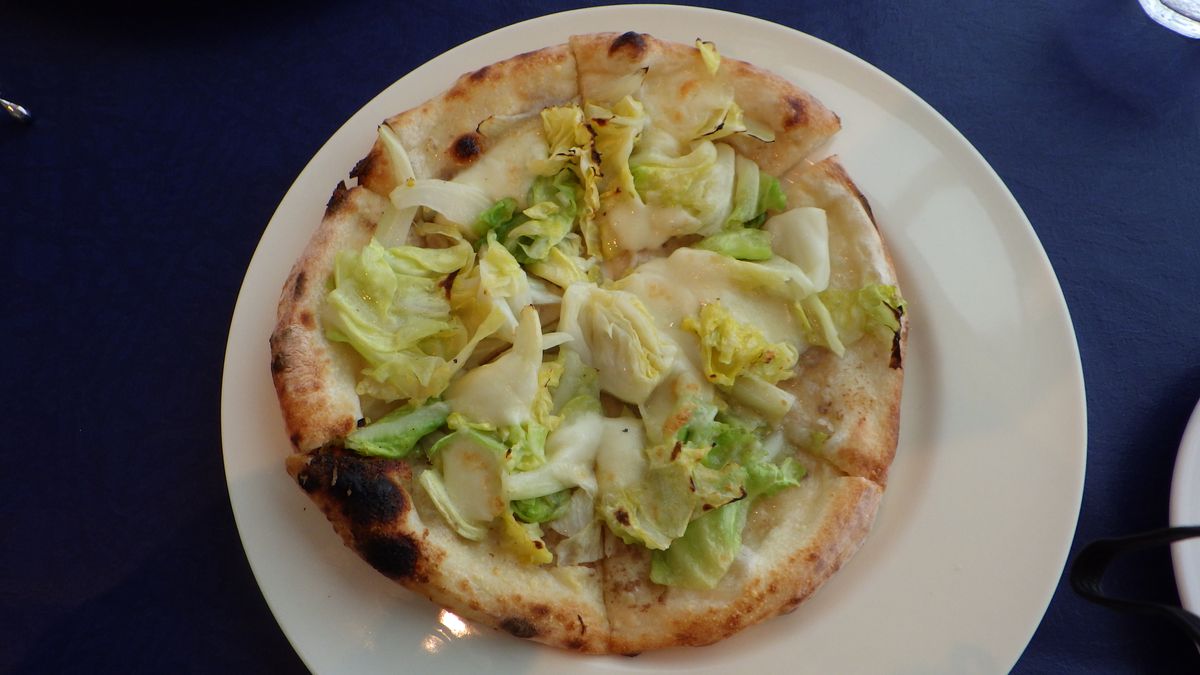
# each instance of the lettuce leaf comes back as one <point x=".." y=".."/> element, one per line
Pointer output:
<point x="542" y="509"/>
<point x="524" y="540"/>
<point x="550" y="218"/>
<point x="396" y="434"/>
<point x="770" y="198"/>
<point x="389" y="306"/>
<point x="835" y="318"/>
<point x="741" y="243"/>
<point x="614" y="333"/>
<point x="701" y="182"/>
<point x="700" y="558"/>
<point x="615" y="132"/>
<point x="729" y="348"/>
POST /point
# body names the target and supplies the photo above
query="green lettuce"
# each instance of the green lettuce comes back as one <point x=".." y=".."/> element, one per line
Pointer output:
<point x="549" y="220"/>
<point x="396" y="434"/>
<point x="835" y="318"/>
<point x="770" y="198"/>
<point x="740" y="243"/>
<point x="542" y="509"/>
<point x="701" y="182"/>
<point x="389" y="305"/>
<point x="729" y="348"/>
<point x="701" y="557"/>
<point x="615" y="132"/>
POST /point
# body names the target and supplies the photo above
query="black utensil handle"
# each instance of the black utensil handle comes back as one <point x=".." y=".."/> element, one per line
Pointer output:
<point x="1087" y="573"/>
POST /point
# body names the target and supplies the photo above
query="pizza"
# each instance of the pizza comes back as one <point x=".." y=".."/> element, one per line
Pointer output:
<point x="593" y="351"/>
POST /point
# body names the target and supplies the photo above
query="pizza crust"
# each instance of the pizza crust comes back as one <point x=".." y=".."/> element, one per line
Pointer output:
<point x="314" y="378"/>
<point x="674" y="74"/>
<point x="793" y="542"/>
<point x="443" y="136"/>
<point x="379" y="512"/>
<point x="858" y="394"/>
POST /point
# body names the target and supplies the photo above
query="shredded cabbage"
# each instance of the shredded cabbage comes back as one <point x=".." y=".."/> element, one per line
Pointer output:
<point x="459" y="203"/>
<point x="701" y="182"/>
<point x="614" y="333"/>
<point x="730" y="348"/>
<point x="388" y="305"/>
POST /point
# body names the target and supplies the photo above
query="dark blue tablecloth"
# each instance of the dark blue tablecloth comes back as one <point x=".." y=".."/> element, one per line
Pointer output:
<point x="163" y="143"/>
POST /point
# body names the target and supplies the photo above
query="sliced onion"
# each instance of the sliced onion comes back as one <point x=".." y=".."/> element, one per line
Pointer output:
<point x="460" y="204"/>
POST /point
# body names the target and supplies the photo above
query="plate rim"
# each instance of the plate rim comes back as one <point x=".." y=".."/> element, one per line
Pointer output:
<point x="1013" y="213"/>
<point x="1184" y="510"/>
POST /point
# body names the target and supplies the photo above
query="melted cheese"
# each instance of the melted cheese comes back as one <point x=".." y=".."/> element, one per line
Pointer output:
<point x="630" y="225"/>
<point x="501" y="393"/>
<point x="674" y="287"/>
<point x="503" y="170"/>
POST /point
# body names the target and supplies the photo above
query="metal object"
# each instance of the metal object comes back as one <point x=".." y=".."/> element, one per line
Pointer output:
<point x="17" y="111"/>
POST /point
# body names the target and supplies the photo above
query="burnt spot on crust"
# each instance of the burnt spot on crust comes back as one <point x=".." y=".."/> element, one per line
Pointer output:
<point x="298" y="284"/>
<point x="278" y="364"/>
<point x="467" y="148"/>
<point x="394" y="555"/>
<point x="896" y="362"/>
<point x="295" y="439"/>
<point x="797" y="112"/>
<point x="308" y="320"/>
<point x="360" y="486"/>
<point x="519" y="627"/>
<point x="337" y="198"/>
<point x="575" y="643"/>
<point x="479" y="74"/>
<point x="582" y="625"/>
<point x="632" y="42"/>
<point x="366" y="165"/>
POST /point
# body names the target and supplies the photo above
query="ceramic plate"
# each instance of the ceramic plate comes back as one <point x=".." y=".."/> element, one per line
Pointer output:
<point x="983" y="497"/>
<point x="1185" y="511"/>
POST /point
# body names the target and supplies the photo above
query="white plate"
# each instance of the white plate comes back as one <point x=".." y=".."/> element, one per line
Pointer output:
<point x="1185" y="511"/>
<point x="985" y="491"/>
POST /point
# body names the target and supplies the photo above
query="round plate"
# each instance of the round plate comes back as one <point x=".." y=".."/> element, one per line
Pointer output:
<point x="1185" y="510"/>
<point x="958" y="570"/>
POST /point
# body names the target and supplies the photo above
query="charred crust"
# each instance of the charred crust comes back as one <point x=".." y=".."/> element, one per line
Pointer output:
<point x="479" y="74"/>
<point x="360" y="486"/>
<point x="797" y="112"/>
<point x="337" y="198"/>
<point x="519" y="627"/>
<point x="897" y="359"/>
<point x="394" y="555"/>
<point x="632" y="42"/>
<point x="575" y="643"/>
<point x="582" y="625"/>
<point x="467" y="148"/>
<point x="298" y="284"/>
<point x="366" y="165"/>
<point x="295" y="439"/>
<point x="278" y="365"/>
<point x="308" y="320"/>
